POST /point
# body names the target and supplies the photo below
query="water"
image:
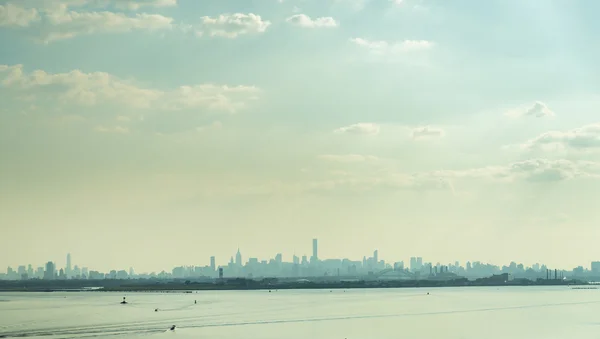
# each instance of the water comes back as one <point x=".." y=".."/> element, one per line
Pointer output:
<point x="449" y="313"/>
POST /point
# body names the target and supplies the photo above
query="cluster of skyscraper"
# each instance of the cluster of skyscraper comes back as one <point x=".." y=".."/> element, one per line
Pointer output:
<point x="301" y="267"/>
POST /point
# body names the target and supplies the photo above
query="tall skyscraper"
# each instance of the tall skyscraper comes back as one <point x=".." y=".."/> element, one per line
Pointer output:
<point x="50" y="271"/>
<point x="68" y="268"/>
<point x="213" y="264"/>
<point x="315" y="256"/>
<point x="238" y="258"/>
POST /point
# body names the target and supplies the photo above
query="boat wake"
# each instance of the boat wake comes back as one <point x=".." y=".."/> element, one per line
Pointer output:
<point x="161" y="326"/>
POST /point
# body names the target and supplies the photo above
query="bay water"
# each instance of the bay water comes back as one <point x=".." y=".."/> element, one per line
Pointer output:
<point x="449" y="313"/>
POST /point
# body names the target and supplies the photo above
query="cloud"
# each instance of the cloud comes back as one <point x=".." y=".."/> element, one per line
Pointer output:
<point x="11" y="15"/>
<point x="385" y="48"/>
<point x="537" y="109"/>
<point x="427" y="133"/>
<point x="347" y="158"/>
<point x="102" y="88"/>
<point x="213" y="126"/>
<point x="58" y="22"/>
<point x="232" y="25"/>
<point x="532" y="171"/>
<point x="583" y="139"/>
<point x="64" y="24"/>
<point x="115" y="129"/>
<point x="133" y="4"/>
<point x="305" y="21"/>
<point x="360" y="129"/>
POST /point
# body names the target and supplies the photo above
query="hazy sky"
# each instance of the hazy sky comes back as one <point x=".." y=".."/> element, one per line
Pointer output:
<point x="157" y="133"/>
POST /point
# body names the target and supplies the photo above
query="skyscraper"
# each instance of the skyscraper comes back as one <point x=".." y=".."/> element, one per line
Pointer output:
<point x="68" y="268"/>
<point x="315" y="256"/>
<point x="49" y="273"/>
<point x="213" y="264"/>
<point x="238" y="258"/>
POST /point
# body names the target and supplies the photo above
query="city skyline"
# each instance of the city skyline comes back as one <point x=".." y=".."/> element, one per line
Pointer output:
<point x="160" y="133"/>
<point x="370" y="262"/>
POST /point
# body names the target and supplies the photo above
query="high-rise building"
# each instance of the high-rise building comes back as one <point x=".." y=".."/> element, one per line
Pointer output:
<point x="21" y="270"/>
<point x="68" y="268"/>
<point x="213" y="263"/>
<point x="376" y="257"/>
<point x="315" y="256"/>
<point x="595" y="266"/>
<point x="238" y="258"/>
<point x="50" y="271"/>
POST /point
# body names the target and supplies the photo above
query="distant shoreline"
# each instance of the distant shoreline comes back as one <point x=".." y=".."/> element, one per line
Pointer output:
<point x="240" y="284"/>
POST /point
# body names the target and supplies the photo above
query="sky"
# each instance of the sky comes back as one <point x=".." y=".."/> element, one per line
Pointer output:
<point x="158" y="133"/>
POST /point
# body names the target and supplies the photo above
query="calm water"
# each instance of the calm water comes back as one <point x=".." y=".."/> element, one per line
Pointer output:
<point x="452" y="313"/>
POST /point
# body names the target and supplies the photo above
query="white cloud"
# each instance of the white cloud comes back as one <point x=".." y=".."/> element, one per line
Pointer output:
<point x="347" y="157"/>
<point x="537" y="109"/>
<point x="99" y="87"/>
<point x="115" y="129"/>
<point x="427" y="133"/>
<point x="59" y="22"/>
<point x="11" y="15"/>
<point x="133" y="4"/>
<point x="360" y="128"/>
<point x="65" y="24"/>
<point x="213" y="126"/>
<point x="232" y="25"/>
<point x="534" y="170"/>
<point x="384" y="47"/>
<point x="582" y="139"/>
<point x="304" y="20"/>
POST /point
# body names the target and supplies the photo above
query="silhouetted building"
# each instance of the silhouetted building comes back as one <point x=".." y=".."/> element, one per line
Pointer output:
<point x="68" y="270"/>
<point x="50" y="271"/>
<point x="238" y="258"/>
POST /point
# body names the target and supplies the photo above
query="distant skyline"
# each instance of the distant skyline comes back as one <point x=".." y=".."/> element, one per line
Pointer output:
<point x="239" y="265"/>
<point x="158" y="133"/>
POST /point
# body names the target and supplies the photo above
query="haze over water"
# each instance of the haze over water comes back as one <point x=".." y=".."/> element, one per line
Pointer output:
<point x="452" y="313"/>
